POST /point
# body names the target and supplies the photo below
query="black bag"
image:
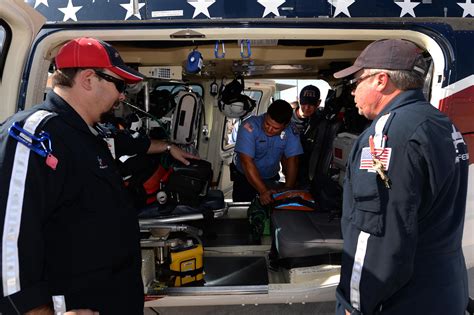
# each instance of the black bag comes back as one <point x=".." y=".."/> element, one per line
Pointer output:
<point x="233" y="90"/>
<point x="189" y="183"/>
<point x="238" y="107"/>
<point x="232" y="103"/>
<point x="161" y="102"/>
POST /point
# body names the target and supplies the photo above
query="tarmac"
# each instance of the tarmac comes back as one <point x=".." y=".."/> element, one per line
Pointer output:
<point x="326" y="308"/>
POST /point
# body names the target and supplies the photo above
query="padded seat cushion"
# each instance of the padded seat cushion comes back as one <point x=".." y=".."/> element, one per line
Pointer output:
<point x="304" y="234"/>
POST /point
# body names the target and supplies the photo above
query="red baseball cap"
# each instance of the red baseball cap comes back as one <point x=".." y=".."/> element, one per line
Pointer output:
<point x="389" y="54"/>
<point x="86" y="52"/>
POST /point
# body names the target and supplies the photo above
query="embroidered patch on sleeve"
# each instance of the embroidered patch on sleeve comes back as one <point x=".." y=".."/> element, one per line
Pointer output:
<point x="248" y="126"/>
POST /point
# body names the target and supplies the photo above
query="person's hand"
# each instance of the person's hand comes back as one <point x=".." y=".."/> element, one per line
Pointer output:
<point x="266" y="197"/>
<point x="181" y="155"/>
<point x="81" y="312"/>
<point x="347" y="312"/>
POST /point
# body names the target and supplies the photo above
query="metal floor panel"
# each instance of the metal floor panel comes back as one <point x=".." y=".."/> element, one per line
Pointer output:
<point x="235" y="271"/>
<point x="226" y="232"/>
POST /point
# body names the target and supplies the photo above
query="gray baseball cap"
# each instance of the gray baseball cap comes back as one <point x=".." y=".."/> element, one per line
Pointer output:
<point x="389" y="54"/>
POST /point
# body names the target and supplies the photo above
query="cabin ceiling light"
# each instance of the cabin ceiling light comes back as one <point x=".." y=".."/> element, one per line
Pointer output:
<point x="187" y="34"/>
<point x="286" y="67"/>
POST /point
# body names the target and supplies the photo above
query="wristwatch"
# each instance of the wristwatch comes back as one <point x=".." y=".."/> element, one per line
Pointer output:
<point x="168" y="147"/>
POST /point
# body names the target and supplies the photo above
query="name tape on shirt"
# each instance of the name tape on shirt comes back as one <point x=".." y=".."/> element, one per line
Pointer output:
<point x="383" y="155"/>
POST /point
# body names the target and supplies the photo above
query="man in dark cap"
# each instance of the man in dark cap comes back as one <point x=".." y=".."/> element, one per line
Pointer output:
<point x="305" y="120"/>
<point x="71" y="235"/>
<point x="308" y="104"/>
<point x="404" y="193"/>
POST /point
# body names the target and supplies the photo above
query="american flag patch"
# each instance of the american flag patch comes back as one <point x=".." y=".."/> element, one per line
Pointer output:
<point x="366" y="158"/>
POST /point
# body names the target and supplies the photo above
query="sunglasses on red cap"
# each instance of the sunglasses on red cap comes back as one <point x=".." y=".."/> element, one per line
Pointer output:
<point x="120" y="85"/>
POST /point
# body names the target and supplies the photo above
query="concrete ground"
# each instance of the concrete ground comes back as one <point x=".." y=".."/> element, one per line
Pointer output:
<point x="271" y="309"/>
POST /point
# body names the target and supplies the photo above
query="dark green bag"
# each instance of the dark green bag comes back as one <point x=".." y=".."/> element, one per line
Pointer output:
<point x="259" y="219"/>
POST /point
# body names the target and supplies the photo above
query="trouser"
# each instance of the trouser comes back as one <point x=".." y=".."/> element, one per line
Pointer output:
<point x="242" y="190"/>
<point x="302" y="178"/>
<point x="438" y="286"/>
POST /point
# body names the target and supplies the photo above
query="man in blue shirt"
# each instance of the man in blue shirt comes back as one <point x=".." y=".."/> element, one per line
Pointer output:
<point x="262" y="141"/>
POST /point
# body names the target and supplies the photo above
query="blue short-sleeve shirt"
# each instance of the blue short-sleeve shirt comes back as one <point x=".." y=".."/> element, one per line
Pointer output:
<point x="266" y="151"/>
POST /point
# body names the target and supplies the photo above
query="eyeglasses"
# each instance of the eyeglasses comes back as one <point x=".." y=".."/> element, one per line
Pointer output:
<point x="356" y="81"/>
<point x="120" y="85"/>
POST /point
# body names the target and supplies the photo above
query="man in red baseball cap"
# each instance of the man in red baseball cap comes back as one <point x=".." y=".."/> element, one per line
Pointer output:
<point x="70" y="229"/>
<point x="94" y="61"/>
<point x="404" y="193"/>
<point x="86" y="52"/>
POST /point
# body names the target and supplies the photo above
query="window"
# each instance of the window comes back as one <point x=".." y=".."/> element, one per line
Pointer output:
<point x="230" y="132"/>
<point x="5" y="38"/>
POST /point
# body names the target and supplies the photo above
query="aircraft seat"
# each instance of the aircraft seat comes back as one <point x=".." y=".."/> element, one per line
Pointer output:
<point x="305" y="233"/>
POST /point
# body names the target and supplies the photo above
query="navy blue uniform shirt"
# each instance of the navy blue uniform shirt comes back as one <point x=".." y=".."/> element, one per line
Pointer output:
<point x="402" y="246"/>
<point x="78" y="233"/>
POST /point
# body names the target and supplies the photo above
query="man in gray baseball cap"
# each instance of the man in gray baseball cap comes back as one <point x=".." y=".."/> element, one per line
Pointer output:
<point x="404" y="193"/>
<point x="395" y="61"/>
<point x="393" y="54"/>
